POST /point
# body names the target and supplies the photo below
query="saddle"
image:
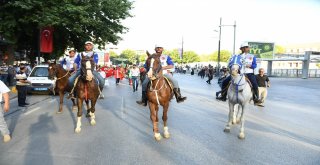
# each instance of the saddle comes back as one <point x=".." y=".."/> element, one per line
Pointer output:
<point x="166" y="79"/>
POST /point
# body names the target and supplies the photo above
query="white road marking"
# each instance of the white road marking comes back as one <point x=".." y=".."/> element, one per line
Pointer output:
<point x="33" y="110"/>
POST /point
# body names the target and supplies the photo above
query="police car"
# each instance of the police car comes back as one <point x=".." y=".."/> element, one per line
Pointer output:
<point x="39" y="80"/>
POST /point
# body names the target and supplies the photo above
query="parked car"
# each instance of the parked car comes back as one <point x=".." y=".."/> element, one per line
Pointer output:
<point x="39" y="80"/>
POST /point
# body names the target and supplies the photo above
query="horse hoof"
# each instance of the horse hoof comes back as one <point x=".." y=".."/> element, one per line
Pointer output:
<point x="227" y="130"/>
<point x="59" y="112"/>
<point x="93" y="122"/>
<point x="241" y="136"/>
<point x="166" y="135"/>
<point x="157" y="136"/>
<point x="238" y="122"/>
<point x="234" y="122"/>
<point x="77" y="130"/>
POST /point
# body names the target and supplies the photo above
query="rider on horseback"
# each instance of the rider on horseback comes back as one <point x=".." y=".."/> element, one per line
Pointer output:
<point x="77" y="63"/>
<point x="69" y="61"/>
<point x="248" y="62"/>
<point x="167" y="65"/>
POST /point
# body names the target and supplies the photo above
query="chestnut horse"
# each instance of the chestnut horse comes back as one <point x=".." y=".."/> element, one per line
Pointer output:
<point x="61" y="76"/>
<point x="87" y="89"/>
<point x="159" y="93"/>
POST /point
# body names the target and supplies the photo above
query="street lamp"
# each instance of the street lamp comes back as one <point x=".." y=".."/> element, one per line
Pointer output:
<point x="234" y="42"/>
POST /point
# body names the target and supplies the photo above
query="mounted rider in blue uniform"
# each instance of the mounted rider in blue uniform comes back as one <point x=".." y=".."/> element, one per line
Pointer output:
<point x="247" y="63"/>
<point x="77" y="64"/>
<point x="167" y="66"/>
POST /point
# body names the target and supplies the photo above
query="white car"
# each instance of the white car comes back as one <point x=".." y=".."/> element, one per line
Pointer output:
<point x="39" y="79"/>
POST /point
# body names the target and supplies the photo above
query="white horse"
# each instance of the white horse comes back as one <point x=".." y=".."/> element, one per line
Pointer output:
<point x="239" y="93"/>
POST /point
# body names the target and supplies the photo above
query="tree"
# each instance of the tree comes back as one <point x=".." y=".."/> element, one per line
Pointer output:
<point x="130" y="55"/>
<point x="142" y="58"/>
<point x="188" y="56"/>
<point x="279" y="49"/>
<point x="74" y="22"/>
<point x="224" y="56"/>
<point x="113" y="55"/>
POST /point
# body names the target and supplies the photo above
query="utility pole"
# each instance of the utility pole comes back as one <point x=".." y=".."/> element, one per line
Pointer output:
<point x="218" y="67"/>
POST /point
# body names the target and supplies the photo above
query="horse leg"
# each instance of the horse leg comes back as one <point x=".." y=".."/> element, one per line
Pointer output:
<point x="91" y="112"/>
<point x="74" y="106"/>
<point x="165" y="118"/>
<point x="239" y="114"/>
<point x="231" y="109"/>
<point x="241" y="134"/>
<point x="88" y="108"/>
<point x="78" y="128"/>
<point x="153" y="113"/>
<point x="61" y="101"/>
<point x="235" y="112"/>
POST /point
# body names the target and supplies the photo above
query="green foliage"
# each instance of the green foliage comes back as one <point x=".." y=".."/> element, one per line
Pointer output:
<point x="279" y="49"/>
<point x="188" y="56"/>
<point x="113" y="55"/>
<point x="130" y="55"/>
<point x="205" y="58"/>
<point x="142" y="58"/>
<point x="74" y="22"/>
<point x="224" y="56"/>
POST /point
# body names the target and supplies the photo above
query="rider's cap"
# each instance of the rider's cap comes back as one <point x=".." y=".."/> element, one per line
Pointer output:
<point x="245" y="44"/>
<point x="88" y="42"/>
<point x="158" y="46"/>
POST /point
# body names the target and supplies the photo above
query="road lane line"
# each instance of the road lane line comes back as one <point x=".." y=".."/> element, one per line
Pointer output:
<point x="33" y="110"/>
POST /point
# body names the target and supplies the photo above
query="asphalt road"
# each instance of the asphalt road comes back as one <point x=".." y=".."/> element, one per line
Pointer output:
<point x="285" y="131"/>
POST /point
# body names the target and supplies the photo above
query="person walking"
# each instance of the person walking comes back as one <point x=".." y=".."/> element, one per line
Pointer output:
<point x="21" y="85"/>
<point x="261" y="80"/>
<point x="135" y="72"/>
<point x="118" y="75"/>
<point x="4" y="92"/>
<point x="4" y="73"/>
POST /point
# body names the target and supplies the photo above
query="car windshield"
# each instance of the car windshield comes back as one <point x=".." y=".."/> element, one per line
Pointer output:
<point x="40" y="72"/>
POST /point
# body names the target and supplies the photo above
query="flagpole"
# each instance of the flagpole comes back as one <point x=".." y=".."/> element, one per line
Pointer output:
<point x="39" y="40"/>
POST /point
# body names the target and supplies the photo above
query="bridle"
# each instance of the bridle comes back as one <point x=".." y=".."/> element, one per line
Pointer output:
<point x="157" y="70"/>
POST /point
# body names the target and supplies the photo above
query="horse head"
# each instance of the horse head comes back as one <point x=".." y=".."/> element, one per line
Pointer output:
<point x="52" y="70"/>
<point x="154" y="65"/>
<point x="87" y="67"/>
<point x="235" y="70"/>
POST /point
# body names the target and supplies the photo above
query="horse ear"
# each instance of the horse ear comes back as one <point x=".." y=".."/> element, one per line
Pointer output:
<point x="148" y="54"/>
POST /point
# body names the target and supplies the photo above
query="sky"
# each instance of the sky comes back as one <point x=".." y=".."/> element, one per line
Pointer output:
<point x="166" y="22"/>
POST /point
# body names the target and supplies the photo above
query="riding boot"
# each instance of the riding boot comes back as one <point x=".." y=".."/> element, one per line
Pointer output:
<point x="177" y="93"/>
<point x="223" y="96"/>
<point x="255" y="96"/>
<point x="144" y="99"/>
<point x="71" y="94"/>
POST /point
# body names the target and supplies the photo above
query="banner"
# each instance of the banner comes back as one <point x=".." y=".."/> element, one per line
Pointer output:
<point x="262" y="50"/>
<point x="46" y="40"/>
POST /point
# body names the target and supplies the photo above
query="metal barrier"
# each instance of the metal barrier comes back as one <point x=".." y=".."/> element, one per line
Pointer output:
<point x="297" y="73"/>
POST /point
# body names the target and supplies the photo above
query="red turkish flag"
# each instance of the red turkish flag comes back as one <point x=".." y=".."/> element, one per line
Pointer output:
<point x="106" y="57"/>
<point x="46" y="40"/>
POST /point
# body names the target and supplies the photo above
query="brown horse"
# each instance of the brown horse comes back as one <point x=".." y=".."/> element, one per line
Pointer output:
<point x="87" y="89"/>
<point x="159" y="93"/>
<point x="61" y="76"/>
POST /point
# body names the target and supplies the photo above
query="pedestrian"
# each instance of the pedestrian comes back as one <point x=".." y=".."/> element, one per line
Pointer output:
<point x="210" y="75"/>
<point x="4" y="73"/>
<point x="135" y="72"/>
<point x="21" y="85"/>
<point x="4" y="92"/>
<point x="261" y="80"/>
<point x="117" y="74"/>
<point x="11" y="75"/>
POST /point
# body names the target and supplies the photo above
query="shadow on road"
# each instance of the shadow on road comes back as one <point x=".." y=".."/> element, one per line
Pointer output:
<point x="38" y="149"/>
